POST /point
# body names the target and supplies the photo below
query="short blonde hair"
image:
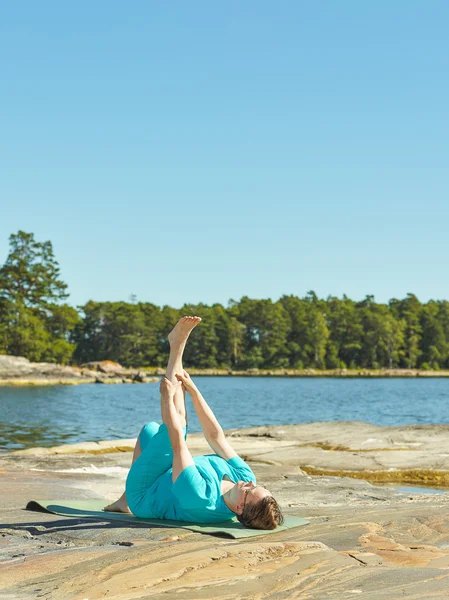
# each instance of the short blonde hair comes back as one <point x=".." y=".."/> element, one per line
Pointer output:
<point x="265" y="514"/>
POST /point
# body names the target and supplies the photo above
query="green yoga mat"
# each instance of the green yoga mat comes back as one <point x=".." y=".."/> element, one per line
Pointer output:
<point x="93" y="509"/>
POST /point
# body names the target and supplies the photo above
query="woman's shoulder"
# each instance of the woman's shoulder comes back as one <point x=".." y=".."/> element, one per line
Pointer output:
<point x="240" y="465"/>
<point x="205" y="459"/>
<point x="207" y="463"/>
<point x="236" y="464"/>
<point x="216" y="463"/>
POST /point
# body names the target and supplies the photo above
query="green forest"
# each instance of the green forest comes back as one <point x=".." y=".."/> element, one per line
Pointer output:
<point x="37" y="322"/>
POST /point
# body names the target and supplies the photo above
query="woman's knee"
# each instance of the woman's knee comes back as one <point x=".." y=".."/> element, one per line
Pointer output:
<point x="147" y="432"/>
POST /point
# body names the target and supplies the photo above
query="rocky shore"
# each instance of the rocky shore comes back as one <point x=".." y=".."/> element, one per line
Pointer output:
<point x="16" y="370"/>
<point x="318" y="372"/>
<point x="376" y="542"/>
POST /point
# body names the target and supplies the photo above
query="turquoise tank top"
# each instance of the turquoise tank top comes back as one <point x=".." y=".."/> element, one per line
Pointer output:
<point x="196" y="494"/>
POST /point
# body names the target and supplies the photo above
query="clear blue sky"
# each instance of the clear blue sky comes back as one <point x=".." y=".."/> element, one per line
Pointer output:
<point x="189" y="151"/>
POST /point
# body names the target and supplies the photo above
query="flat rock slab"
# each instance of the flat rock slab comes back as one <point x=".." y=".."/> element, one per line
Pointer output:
<point x="413" y="454"/>
<point x="362" y="540"/>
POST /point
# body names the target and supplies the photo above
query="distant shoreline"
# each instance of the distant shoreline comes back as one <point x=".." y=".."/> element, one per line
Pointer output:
<point x="354" y="373"/>
<point x="19" y="371"/>
<point x="152" y="375"/>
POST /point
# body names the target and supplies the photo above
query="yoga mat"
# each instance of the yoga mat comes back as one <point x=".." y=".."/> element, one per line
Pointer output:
<point x="93" y="509"/>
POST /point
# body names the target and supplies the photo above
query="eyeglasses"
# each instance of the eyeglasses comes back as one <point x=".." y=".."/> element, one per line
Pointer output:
<point x="246" y="496"/>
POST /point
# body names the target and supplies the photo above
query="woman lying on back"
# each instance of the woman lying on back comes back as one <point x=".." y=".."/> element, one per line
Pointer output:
<point x="166" y="482"/>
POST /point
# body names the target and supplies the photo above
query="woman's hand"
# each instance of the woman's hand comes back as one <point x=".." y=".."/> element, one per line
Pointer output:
<point x="168" y="388"/>
<point x="186" y="381"/>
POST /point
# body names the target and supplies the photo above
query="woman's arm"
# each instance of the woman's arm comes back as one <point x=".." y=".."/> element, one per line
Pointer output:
<point x="181" y="454"/>
<point x="212" y="429"/>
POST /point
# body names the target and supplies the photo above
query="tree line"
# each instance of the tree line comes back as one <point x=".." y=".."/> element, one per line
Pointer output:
<point x="310" y="332"/>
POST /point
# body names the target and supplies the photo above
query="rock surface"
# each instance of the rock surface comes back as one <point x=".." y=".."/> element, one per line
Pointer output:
<point x="16" y="370"/>
<point x="363" y="540"/>
<point x="104" y="366"/>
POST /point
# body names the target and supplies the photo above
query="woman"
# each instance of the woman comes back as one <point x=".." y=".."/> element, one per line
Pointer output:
<point x="166" y="482"/>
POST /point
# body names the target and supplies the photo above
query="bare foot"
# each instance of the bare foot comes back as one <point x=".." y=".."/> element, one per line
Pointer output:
<point x="119" y="506"/>
<point x="182" y="329"/>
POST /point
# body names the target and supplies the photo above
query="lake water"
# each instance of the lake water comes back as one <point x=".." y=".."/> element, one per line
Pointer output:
<point x="48" y="416"/>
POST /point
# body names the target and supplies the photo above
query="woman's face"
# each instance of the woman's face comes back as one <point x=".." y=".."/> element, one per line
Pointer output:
<point x="246" y="493"/>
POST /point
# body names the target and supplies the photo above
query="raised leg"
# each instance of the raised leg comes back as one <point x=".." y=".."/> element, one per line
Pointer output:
<point x="178" y="338"/>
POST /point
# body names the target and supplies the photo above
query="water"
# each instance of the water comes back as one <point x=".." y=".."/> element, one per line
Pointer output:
<point x="48" y="416"/>
<point x="415" y="489"/>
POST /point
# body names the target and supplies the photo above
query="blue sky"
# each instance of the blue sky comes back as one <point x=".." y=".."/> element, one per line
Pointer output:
<point x="202" y="151"/>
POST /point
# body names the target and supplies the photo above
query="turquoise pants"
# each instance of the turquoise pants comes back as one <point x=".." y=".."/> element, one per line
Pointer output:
<point x="155" y="460"/>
